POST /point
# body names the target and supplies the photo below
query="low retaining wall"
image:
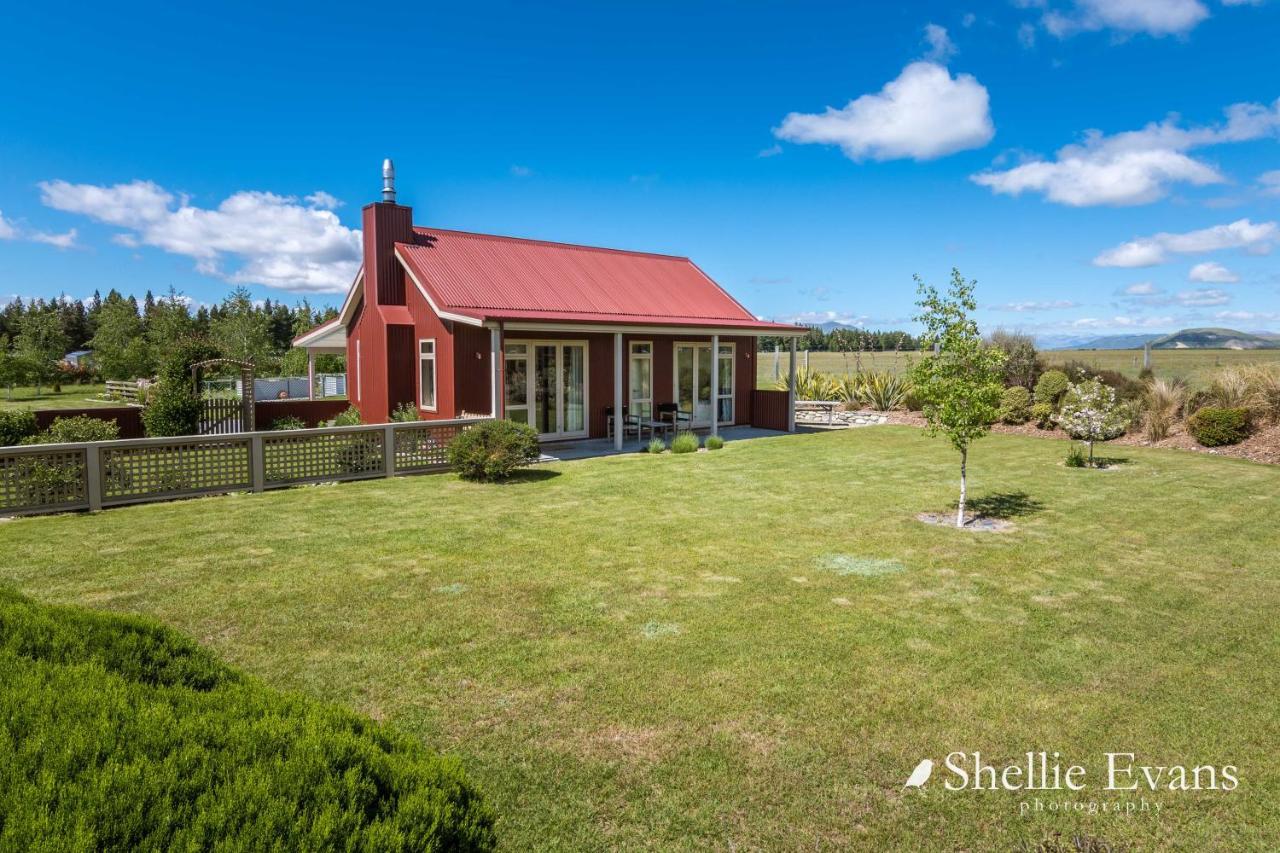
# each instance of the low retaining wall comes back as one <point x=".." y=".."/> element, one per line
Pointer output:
<point x="128" y="418"/>
<point x="312" y="412"/>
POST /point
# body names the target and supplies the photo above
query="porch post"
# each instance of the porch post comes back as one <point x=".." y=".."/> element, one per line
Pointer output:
<point x="618" y="426"/>
<point x="791" y="390"/>
<point x="715" y="384"/>
<point x="495" y="370"/>
<point x="311" y="374"/>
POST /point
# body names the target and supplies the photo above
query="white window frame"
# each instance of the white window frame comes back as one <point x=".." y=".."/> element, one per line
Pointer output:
<point x="733" y="383"/>
<point x="531" y="345"/>
<point x="435" y="378"/>
<point x="632" y="355"/>
<point x="700" y="347"/>
<point x="357" y="370"/>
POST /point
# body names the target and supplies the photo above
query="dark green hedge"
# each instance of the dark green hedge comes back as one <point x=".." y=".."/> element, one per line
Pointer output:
<point x="122" y="734"/>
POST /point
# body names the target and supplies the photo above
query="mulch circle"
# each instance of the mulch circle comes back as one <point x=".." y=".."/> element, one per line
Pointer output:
<point x="977" y="524"/>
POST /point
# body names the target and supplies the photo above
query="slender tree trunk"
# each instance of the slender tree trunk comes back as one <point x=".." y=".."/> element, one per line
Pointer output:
<point x="964" y="458"/>
<point x="1091" y="453"/>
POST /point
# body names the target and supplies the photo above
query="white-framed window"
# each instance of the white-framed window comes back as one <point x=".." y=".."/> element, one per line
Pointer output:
<point x="357" y="370"/>
<point x="427" y="374"/>
<point x="640" y="375"/>
<point x="724" y="394"/>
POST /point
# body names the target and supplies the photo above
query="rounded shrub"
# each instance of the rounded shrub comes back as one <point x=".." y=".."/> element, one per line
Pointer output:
<point x="17" y="425"/>
<point x="78" y="428"/>
<point x="128" y="735"/>
<point x="1050" y="387"/>
<point x="288" y="422"/>
<point x="656" y="445"/>
<point x="1015" y="405"/>
<point x="1215" y="427"/>
<point x="685" y="442"/>
<point x="493" y="450"/>
<point x="1042" y="414"/>
<point x="404" y="413"/>
<point x="713" y="442"/>
<point x="350" y="416"/>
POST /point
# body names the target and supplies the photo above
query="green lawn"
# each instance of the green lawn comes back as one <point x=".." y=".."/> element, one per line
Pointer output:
<point x="70" y="397"/>
<point x="1195" y="366"/>
<point x="698" y="651"/>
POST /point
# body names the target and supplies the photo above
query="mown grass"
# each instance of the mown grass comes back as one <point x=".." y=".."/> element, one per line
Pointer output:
<point x="1194" y="366"/>
<point x="667" y="651"/>
<point x="69" y="397"/>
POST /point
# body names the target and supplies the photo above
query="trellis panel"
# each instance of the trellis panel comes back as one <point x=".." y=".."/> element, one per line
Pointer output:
<point x="422" y="447"/>
<point x="304" y="457"/>
<point x="174" y="469"/>
<point x="43" y="481"/>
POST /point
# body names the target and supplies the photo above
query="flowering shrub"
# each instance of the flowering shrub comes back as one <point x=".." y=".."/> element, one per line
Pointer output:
<point x="1090" y="412"/>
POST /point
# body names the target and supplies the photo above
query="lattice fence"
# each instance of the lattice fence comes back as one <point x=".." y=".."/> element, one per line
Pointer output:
<point x="43" y="481"/>
<point x="192" y="467"/>
<point x="421" y="446"/>
<point x="304" y="457"/>
<point x="92" y="475"/>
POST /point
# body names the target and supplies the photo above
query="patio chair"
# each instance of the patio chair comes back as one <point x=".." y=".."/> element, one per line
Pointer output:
<point x="674" y="415"/>
<point x="630" y="425"/>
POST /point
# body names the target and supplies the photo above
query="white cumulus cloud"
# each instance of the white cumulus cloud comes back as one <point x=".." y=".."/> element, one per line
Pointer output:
<point x="7" y="231"/>
<point x="1052" y="305"/>
<point x="1269" y="182"/>
<point x="65" y="240"/>
<point x="1210" y="272"/>
<point x="923" y="114"/>
<point x="1153" y="250"/>
<point x="941" y="47"/>
<point x="1203" y="297"/>
<point x="1142" y="288"/>
<point x="1153" y="17"/>
<point x="1135" y="167"/>
<point x="250" y="238"/>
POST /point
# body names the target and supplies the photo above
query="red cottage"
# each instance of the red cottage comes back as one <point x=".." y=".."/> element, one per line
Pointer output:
<point x="550" y="334"/>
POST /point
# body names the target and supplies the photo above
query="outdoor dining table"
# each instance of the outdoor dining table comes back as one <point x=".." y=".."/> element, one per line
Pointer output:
<point x="653" y="426"/>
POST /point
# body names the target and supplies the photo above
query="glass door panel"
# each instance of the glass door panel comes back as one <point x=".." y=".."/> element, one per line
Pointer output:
<point x="724" y="394"/>
<point x="684" y="377"/>
<point x="516" y="387"/>
<point x="573" y="388"/>
<point x="545" y="384"/>
<point x="702" y="411"/>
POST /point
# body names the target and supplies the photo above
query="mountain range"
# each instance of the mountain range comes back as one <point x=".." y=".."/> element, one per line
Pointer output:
<point x="1205" y="338"/>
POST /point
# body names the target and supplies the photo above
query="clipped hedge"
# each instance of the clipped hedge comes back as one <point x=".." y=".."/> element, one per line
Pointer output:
<point x="123" y="734"/>
<point x="1214" y="427"/>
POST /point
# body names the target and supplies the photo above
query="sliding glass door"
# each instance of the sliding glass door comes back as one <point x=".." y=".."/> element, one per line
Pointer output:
<point x="693" y="382"/>
<point x="546" y="386"/>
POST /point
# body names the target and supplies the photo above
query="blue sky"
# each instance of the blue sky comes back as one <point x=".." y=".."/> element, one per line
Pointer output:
<point x="810" y="157"/>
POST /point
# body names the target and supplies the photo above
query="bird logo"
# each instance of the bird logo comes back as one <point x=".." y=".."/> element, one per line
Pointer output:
<point x="920" y="775"/>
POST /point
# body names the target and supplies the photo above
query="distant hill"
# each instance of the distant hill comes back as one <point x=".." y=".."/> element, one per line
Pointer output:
<point x="1184" y="339"/>
<point x="1214" y="339"/>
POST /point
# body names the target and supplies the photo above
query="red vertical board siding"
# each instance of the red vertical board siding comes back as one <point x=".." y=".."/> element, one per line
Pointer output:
<point x="384" y="226"/>
<point x="427" y="325"/>
<point x="471" y="369"/>
<point x="401" y="367"/>
<point x="770" y="409"/>
<point x="744" y="378"/>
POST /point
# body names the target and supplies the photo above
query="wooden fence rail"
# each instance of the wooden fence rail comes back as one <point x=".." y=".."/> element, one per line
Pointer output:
<point x="42" y="478"/>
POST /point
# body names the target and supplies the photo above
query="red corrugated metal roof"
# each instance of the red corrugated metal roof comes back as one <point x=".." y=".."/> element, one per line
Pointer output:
<point x="507" y="278"/>
<point x="395" y="315"/>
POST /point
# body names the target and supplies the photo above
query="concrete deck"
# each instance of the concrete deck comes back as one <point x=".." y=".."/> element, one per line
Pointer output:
<point x="586" y="448"/>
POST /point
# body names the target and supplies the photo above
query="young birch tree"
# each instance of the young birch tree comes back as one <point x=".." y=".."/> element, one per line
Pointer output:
<point x="959" y="378"/>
